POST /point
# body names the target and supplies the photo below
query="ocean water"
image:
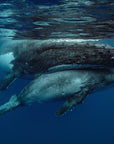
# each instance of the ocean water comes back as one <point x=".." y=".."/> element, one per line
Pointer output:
<point x="91" y="122"/>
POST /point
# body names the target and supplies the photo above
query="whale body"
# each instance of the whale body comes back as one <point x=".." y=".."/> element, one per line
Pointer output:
<point x="41" y="56"/>
<point x="72" y="86"/>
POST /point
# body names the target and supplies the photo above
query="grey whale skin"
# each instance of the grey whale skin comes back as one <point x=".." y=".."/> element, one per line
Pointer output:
<point x="71" y="85"/>
<point x="39" y="56"/>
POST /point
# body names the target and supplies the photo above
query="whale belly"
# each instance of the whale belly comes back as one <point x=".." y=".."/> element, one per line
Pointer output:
<point x="54" y="86"/>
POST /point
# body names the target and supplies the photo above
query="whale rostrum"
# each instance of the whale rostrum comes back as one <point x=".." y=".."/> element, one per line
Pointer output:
<point x="41" y="56"/>
<point x="73" y="86"/>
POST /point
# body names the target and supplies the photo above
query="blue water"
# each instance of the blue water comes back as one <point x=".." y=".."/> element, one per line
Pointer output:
<point x="89" y="123"/>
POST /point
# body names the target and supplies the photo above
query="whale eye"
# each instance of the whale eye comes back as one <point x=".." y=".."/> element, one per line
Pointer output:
<point x="32" y="61"/>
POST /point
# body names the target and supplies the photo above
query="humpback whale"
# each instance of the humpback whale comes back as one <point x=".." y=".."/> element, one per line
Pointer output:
<point x="41" y="56"/>
<point x="73" y="86"/>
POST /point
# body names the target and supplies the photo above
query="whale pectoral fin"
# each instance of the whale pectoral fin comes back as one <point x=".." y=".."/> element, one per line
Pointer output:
<point x="8" y="79"/>
<point x="72" y="101"/>
<point x="10" y="105"/>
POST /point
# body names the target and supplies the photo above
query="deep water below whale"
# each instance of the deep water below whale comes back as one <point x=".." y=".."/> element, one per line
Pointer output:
<point x="89" y="123"/>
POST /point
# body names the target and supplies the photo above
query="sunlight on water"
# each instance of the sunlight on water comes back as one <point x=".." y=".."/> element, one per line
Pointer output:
<point x="65" y="19"/>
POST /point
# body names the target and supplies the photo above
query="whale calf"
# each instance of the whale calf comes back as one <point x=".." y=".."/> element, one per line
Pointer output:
<point x="73" y="86"/>
<point x="40" y="56"/>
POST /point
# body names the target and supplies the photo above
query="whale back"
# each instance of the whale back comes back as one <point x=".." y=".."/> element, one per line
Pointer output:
<point x="46" y="55"/>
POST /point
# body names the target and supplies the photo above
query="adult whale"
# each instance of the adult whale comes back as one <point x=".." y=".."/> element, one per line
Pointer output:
<point x="72" y="85"/>
<point x="40" y="56"/>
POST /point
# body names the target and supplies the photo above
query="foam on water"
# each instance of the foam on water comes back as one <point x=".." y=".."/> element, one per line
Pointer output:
<point x="5" y="61"/>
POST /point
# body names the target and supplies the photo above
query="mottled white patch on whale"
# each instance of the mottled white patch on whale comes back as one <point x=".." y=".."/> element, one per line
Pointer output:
<point x="5" y="61"/>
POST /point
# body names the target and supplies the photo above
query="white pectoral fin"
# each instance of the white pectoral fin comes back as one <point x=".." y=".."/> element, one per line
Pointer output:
<point x="74" y="67"/>
<point x="10" y="105"/>
<point x="72" y="101"/>
<point x="8" y="79"/>
<point x="63" y="67"/>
